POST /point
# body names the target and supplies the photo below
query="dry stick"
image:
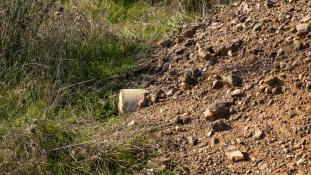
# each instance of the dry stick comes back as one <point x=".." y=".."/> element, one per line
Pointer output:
<point x="78" y="144"/>
<point x="38" y="64"/>
<point x="180" y="5"/>
<point x="204" y="8"/>
<point x="72" y="85"/>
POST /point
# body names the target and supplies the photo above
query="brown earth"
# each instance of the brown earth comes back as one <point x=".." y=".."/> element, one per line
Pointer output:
<point x="240" y="78"/>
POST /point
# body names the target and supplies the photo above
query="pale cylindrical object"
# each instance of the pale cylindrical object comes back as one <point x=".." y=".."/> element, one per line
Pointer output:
<point x="131" y="99"/>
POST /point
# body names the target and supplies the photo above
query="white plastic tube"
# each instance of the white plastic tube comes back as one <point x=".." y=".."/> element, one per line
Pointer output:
<point x="131" y="99"/>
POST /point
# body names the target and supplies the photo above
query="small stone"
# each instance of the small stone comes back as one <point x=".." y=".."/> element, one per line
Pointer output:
<point x="210" y="133"/>
<point x="280" y="52"/>
<point x="154" y="99"/>
<point x="262" y="166"/>
<point x="257" y="27"/>
<point x="180" y="51"/>
<point x="131" y="123"/>
<point x="233" y="80"/>
<point x="166" y="43"/>
<point x="240" y="27"/>
<point x="165" y="67"/>
<point x="193" y="141"/>
<point x="221" y="125"/>
<point x="203" y="144"/>
<point x="196" y="73"/>
<point x="276" y="90"/>
<point x="298" y="45"/>
<point x="230" y="54"/>
<point x="217" y="84"/>
<point x="157" y="96"/>
<point x="258" y="134"/>
<point x="178" y="120"/>
<point x="303" y="29"/>
<point x="186" y="77"/>
<point x="306" y="19"/>
<point x="269" y="3"/>
<point x="239" y="141"/>
<point x="217" y="111"/>
<point x="307" y="60"/>
<point x="183" y="120"/>
<point x="282" y="17"/>
<point x="171" y="92"/>
<point x="189" y="33"/>
<point x="286" y="150"/>
<point x="215" y="141"/>
<point x="301" y="161"/>
<point x="185" y="86"/>
<point x="237" y="92"/>
<point x="203" y="53"/>
<point x="249" y="87"/>
<point x="273" y="81"/>
<point x="234" y="154"/>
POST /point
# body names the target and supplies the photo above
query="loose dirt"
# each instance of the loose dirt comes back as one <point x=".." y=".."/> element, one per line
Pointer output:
<point x="231" y="93"/>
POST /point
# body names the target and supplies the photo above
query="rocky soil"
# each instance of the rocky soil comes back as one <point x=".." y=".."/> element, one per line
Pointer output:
<point x="231" y="93"/>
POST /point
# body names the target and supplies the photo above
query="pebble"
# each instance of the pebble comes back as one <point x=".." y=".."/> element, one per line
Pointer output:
<point x="210" y="133"/>
<point x="217" y="111"/>
<point x="262" y="166"/>
<point x="131" y="123"/>
<point x="303" y="29"/>
<point x="237" y="92"/>
<point x="257" y="27"/>
<point x="166" y="43"/>
<point x="215" y="141"/>
<point x="306" y="19"/>
<point x="282" y="17"/>
<point x="193" y="140"/>
<point x="280" y="52"/>
<point x="258" y="134"/>
<point x="301" y="161"/>
<point x="171" y="92"/>
<point x="221" y="125"/>
<point x="234" y="154"/>
<point x="273" y="81"/>
<point x="233" y="80"/>
<point x="203" y="53"/>
<point x="217" y="84"/>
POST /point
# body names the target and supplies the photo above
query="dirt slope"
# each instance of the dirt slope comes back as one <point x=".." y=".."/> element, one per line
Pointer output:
<point x="231" y="94"/>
